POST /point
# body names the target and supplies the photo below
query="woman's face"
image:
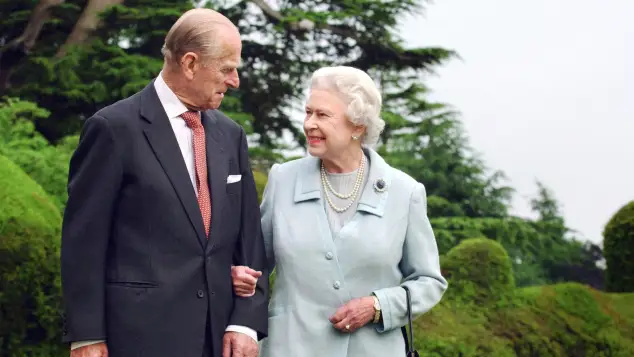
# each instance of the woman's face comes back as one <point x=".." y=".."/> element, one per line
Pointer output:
<point x="327" y="128"/>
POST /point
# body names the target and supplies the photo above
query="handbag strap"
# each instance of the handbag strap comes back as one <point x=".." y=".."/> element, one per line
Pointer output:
<point x="409" y="340"/>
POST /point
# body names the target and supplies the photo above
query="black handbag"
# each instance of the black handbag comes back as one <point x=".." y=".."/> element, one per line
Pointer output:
<point x="409" y="340"/>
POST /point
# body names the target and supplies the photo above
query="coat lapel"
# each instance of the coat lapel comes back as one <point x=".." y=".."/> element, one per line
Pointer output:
<point x="307" y="186"/>
<point x="217" y="171"/>
<point x="308" y="191"/>
<point x="372" y="200"/>
<point x="161" y="137"/>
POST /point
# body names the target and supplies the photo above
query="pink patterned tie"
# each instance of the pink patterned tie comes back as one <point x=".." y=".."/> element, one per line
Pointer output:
<point x="192" y="119"/>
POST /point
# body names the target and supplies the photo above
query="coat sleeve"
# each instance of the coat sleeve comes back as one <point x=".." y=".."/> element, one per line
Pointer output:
<point x="266" y="209"/>
<point x="420" y="266"/>
<point x="95" y="176"/>
<point x="251" y="312"/>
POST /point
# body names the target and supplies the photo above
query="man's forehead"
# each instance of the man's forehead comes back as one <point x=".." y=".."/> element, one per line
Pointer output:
<point x="232" y="62"/>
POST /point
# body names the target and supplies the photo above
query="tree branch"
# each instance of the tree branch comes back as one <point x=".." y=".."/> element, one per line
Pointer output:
<point x="86" y="24"/>
<point x="19" y="48"/>
<point x="372" y="51"/>
<point x="302" y="26"/>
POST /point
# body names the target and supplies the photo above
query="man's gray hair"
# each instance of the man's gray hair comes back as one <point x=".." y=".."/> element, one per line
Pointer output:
<point x="198" y="31"/>
<point x="359" y="92"/>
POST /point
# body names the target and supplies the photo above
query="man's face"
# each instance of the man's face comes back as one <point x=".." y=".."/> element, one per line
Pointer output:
<point x="209" y="80"/>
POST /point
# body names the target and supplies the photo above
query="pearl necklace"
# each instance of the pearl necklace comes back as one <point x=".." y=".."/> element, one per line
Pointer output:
<point x="352" y="195"/>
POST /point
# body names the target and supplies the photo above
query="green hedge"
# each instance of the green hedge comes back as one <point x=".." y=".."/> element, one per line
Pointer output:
<point x="29" y="267"/>
<point x="618" y="245"/>
<point x="561" y="320"/>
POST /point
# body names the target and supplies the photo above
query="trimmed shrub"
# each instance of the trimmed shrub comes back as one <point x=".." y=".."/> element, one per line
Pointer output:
<point x="479" y="270"/>
<point x="618" y="249"/>
<point x="30" y="294"/>
<point x="543" y="321"/>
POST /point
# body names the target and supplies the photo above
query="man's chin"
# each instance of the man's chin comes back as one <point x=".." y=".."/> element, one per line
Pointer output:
<point x="214" y="105"/>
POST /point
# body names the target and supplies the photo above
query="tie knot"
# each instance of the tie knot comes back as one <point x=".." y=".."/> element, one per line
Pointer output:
<point x="192" y="119"/>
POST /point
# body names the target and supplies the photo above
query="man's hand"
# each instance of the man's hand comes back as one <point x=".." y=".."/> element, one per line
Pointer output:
<point x="236" y="344"/>
<point x="95" y="350"/>
<point x="244" y="280"/>
<point x="354" y="314"/>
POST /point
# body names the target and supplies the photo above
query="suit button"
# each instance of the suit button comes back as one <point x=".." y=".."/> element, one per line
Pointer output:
<point x="201" y="293"/>
<point x="329" y="255"/>
<point x="336" y="285"/>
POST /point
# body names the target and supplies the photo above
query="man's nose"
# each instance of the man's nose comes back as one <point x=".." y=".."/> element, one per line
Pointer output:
<point x="234" y="80"/>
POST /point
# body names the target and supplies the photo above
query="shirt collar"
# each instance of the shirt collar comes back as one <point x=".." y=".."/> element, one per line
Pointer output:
<point x="171" y="104"/>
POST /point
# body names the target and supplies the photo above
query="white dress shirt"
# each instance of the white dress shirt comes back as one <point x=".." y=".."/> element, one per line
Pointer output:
<point x="184" y="135"/>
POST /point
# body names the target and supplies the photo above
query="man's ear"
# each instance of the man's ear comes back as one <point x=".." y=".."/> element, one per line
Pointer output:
<point x="189" y="64"/>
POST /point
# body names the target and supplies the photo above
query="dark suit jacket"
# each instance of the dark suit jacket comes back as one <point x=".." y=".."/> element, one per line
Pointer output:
<point x="137" y="269"/>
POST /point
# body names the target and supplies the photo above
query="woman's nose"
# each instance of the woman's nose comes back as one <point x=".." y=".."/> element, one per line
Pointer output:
<point x="309" y="123"/>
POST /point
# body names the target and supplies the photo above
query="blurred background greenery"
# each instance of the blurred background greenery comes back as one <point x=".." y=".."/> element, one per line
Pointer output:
<point x="518" y="286"/>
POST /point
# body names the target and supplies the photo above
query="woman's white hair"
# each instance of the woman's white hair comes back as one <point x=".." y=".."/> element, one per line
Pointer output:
<point x="359" y="92"/>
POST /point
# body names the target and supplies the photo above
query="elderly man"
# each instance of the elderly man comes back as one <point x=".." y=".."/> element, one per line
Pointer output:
<point x="162" y="203"/>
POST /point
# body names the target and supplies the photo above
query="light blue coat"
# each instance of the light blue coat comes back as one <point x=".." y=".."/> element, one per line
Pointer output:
<point x="388" y="242"/>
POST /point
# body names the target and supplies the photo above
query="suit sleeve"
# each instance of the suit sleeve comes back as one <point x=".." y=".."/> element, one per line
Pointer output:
<point x="251" y="312"/>
<point x="95" y="175"/>
<point x="420" y="267"/>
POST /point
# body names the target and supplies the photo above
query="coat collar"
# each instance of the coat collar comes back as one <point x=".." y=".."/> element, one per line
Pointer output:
<point x="308" y="184"/>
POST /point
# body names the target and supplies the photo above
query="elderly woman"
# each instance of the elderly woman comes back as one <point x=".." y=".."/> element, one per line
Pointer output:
<point x="345" y="231"/>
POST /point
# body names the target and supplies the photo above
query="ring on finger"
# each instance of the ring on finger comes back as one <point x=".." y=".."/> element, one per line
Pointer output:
<point x="347" y="327"/>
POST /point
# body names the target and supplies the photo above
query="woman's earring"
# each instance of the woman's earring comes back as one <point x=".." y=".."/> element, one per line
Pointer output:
<point x="354" y="137"/>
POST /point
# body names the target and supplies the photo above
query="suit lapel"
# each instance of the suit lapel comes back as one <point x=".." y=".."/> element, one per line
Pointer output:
<point x="161" y="137"/>
<point x="217" y="171"/>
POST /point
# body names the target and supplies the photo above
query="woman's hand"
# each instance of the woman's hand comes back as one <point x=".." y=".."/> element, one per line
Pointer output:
<point x="244" y="280"/>
<point x="354" y="314"/>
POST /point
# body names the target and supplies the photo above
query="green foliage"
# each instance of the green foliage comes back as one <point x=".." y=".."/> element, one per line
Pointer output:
<point x="539" y="254"/>
<point x="521" y="240"/>
<point x="618" y="245"/>
<point x="550" y="321"/>
<point x="29" y="267"/>
<point x="260" y="183"/>
<point x="19" y="141"/>
<point x="479" y="271"/>
<point x="440" y="207"/>
<point x="427" y="141"/>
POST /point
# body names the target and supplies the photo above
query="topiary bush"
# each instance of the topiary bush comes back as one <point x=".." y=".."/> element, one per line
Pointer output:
<point x="30" y="294"/>
<point x="618" y="250"/>
<point x="479" y="271"/>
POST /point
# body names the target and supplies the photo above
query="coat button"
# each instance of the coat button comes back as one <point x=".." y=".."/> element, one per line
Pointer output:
<point x="201" y="293"/>
<point x="329" y="255"/>
<point x="336" y="285"/>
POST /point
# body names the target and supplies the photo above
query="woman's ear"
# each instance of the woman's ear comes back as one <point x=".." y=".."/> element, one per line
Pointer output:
<point x="358" y="131"/>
